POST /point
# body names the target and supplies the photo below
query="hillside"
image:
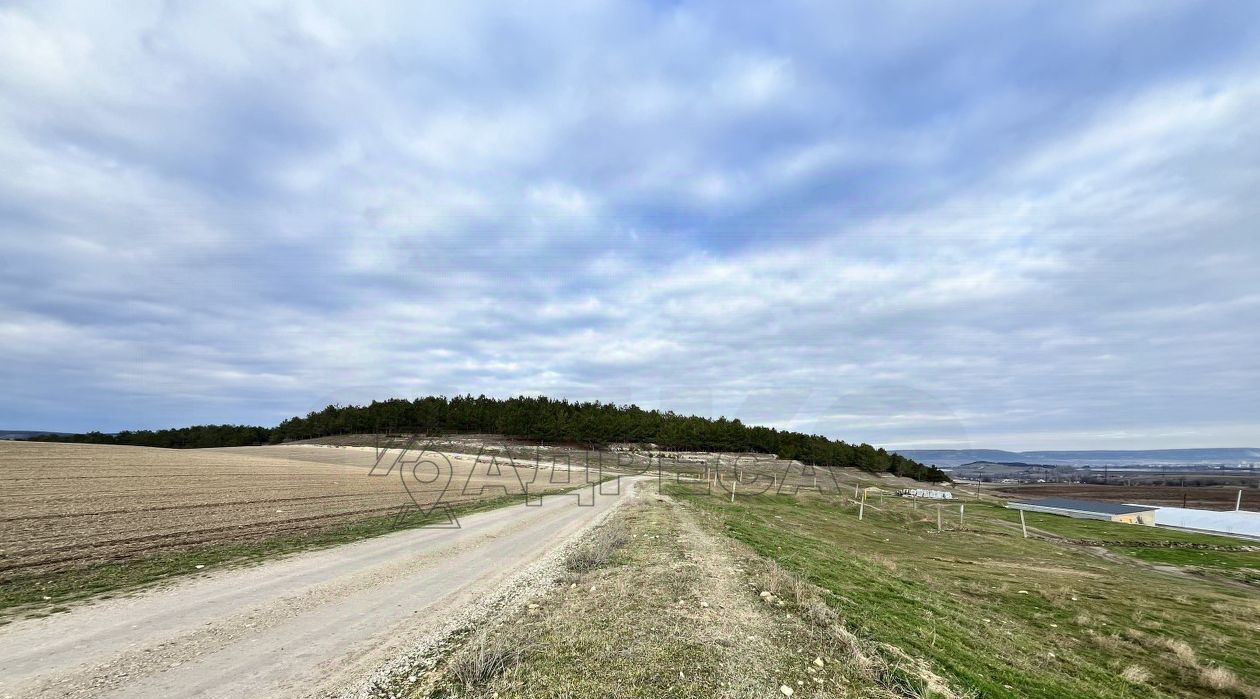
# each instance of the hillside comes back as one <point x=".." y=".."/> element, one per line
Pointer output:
<point x="538" y="419"/>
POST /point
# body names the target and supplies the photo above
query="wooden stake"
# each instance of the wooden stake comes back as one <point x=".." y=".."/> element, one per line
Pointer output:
<point x="1238" y="502"/>
<point x="733" y="484"/>
<point x="1022" y="524"/>
<point x="938" y="518"/>
<point x="961" y="516"/>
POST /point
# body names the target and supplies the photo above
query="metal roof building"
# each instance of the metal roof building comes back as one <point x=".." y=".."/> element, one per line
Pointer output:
<point x="1088" y="509"/>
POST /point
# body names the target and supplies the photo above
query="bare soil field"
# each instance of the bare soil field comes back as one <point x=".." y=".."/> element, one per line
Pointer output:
<point x="1205" y="497"/>
<point x="66" y="506"/>
<point x="338" y="622"/>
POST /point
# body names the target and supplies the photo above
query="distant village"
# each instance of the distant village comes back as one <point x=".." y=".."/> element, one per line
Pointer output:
<point x="1165" y="474"/>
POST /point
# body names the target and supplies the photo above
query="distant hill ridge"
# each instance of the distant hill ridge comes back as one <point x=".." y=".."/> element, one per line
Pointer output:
<point x="27" y="434"/>
<point x="535" y="418"/>
<point x="958" y="457"/>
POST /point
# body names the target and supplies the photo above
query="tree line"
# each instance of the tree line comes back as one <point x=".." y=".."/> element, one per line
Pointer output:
<point x="590" y="424"/>
<point x="196" y="437"/>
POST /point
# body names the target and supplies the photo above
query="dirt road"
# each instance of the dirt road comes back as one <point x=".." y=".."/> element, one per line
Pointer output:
<point x="317" y="624"/>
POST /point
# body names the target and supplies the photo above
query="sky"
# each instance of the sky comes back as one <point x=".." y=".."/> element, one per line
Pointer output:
<point x="919" y="225"/>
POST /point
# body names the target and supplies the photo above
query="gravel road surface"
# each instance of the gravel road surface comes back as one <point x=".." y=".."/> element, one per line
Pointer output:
<point x="322" y="624"/>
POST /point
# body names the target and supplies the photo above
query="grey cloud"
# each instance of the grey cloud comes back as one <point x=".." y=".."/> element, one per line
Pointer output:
<point x="1029" y="225"/>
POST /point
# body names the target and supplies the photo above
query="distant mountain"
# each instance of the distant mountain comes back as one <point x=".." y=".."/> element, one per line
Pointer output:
<point x="24" y="434"/>
<point x="1008" y="464"/>
<point x="958" y="457"/>
<point x="952" y="458"/>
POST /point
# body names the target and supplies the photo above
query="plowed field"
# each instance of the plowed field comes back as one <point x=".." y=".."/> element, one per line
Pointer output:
<point x="72" y="505"/>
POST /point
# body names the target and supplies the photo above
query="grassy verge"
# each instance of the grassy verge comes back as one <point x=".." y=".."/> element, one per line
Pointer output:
<point x="39" y="595"/>
<point x="1007" y="616"/>
<point x="657" y="604"/>
<point x="606" y="631"/>
<point x="1203" y="554"/>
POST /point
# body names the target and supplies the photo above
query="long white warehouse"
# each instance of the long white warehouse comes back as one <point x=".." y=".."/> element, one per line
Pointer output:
<point x="1089" y="509"/>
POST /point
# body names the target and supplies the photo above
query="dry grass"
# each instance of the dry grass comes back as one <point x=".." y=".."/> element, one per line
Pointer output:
<point x="488" y="655"/>
<point x="879" y="664"/>
<point x="600" y="547"/>
<point x="1211" y="676"/>
<point x="1183" y="651"/>
<point x="796" y="592"/>
<point x="1136" y="674"/>
<point x="1218" y="678"/>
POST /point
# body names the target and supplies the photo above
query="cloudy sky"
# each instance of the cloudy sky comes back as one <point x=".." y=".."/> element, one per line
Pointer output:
<point x="1006" y="224"/>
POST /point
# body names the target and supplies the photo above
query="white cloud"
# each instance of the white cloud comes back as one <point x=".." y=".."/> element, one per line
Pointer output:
<point x="240" y="213"/>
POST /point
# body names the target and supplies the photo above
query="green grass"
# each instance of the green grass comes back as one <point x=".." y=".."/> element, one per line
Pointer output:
<point x="1205" y="553"/>
<point x="39" y="595"/>
<point x="1190" y="557"/>
<point x="1004" y="615"/>
<point x="1094" y="529"/>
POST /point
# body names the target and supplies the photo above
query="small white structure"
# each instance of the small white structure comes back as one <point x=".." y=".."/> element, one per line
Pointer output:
<point x="926" y="493"/>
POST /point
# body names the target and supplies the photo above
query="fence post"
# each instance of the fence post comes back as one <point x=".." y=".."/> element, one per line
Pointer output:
<point x="1023" y="525"/>
<point x="961" y="516"/>
<point x="938" y="518"/>
<point x="1238" y="502"/>
<point x="734" y="483"/>
<point x="862" y="506"/>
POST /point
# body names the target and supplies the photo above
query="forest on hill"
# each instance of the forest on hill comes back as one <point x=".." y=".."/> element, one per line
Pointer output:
<point x="592" y="424"/>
